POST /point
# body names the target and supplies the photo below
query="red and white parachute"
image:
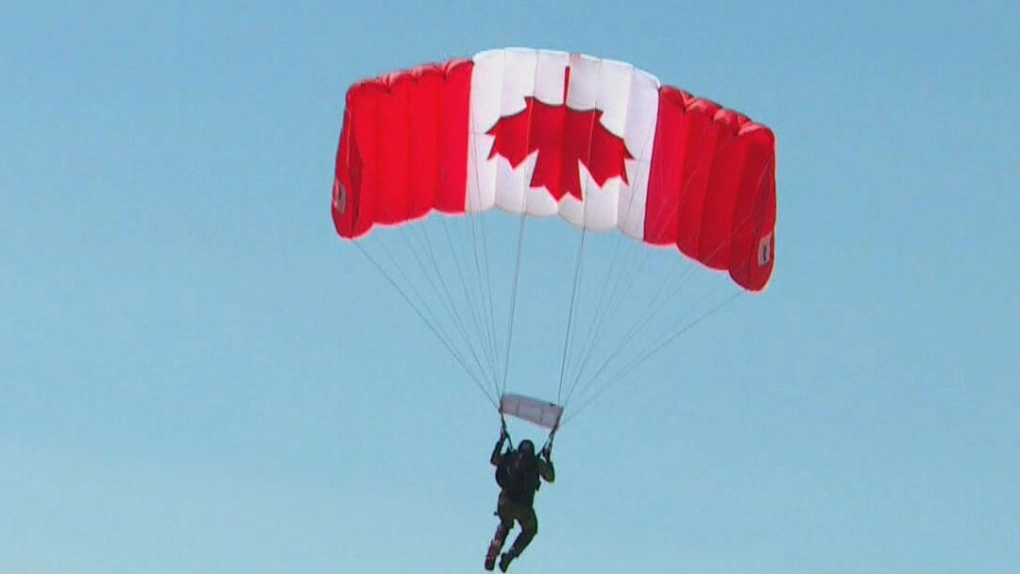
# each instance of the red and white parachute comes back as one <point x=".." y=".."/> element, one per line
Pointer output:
<point x="540" y="134"/>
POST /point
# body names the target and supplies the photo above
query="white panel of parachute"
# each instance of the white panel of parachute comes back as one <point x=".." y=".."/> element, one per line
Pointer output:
<point x="541" y="413"/>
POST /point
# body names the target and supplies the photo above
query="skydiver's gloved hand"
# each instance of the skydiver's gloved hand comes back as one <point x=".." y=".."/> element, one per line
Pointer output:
<point x="546" y="452"/>
<point x="497" y="451"/>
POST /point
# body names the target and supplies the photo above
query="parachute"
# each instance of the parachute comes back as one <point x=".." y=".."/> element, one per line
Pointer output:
<point x="645" y="175"/>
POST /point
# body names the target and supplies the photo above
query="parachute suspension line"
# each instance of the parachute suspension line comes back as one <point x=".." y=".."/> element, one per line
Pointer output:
<point x="654" y="346"/>
<point x="570" y="313"/>
<point x="646" y="355"/>
<point x="625" y="280"/>
<point x="656" y="305"/>
<point x="593" y="327"/>
<point x="652" y="308"/>
<point x="486" y="326"/>
<point x="658" y="302"/>
<point x="432" y="324"/>
<point x="432" y="318"/>
<point x="513" y="301"/>
<point x="597" y="321"/>
<point x="598" y="334"/>
<point x="448" y="302"/>
<point x="487" y="290"/>
<point x="666" y="337"/>
<point x="444" y="296"/>
<point x="595" y="333"/>
<point x="476" y="315"/>
<point x="485" y="350"/>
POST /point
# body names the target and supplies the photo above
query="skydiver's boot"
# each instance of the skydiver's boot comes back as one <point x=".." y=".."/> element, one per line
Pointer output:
<point x="496" y="545"/>
<point x="522" y="542"/>
<point x="490" y="558"/>
<point x="505" y="559"/>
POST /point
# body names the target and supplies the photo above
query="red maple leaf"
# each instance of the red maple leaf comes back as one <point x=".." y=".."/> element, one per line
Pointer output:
<point x="564" y="138"/>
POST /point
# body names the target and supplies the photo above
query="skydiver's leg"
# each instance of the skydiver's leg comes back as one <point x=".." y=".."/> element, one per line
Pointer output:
<point x="529" y="528"/>
<point x="506" y="522"/>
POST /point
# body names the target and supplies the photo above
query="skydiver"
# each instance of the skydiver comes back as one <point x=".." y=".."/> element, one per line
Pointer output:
<point x="518" y="473"/>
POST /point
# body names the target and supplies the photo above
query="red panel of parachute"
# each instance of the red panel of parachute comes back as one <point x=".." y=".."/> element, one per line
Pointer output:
<point x="403" y="148"/>
<point x="711" y="191"/>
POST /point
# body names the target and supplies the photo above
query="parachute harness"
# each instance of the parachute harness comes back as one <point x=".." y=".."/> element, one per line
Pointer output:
<point x="546" y="447"/>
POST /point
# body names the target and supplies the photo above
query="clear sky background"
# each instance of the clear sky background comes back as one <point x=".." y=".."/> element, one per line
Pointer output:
<point x="197" y="376"/>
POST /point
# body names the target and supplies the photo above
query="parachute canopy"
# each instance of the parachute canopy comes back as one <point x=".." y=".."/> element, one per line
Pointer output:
<point x="599" y="143"/>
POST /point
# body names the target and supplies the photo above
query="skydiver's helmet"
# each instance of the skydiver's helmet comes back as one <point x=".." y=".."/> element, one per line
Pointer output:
<point x="526" y="448"/>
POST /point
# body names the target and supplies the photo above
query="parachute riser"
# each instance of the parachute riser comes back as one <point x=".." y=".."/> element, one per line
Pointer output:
<point x="546" y="447"/>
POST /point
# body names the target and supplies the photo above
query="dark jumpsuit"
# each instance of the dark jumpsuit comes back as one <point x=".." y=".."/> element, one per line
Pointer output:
<point x="518" y="504"/>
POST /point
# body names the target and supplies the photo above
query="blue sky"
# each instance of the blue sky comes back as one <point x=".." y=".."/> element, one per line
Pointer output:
<point x="197" y="376"/>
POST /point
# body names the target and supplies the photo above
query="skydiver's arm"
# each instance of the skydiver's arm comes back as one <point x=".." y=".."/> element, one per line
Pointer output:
<point x="497" y="452"/>
<point x="546" y="469"/>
